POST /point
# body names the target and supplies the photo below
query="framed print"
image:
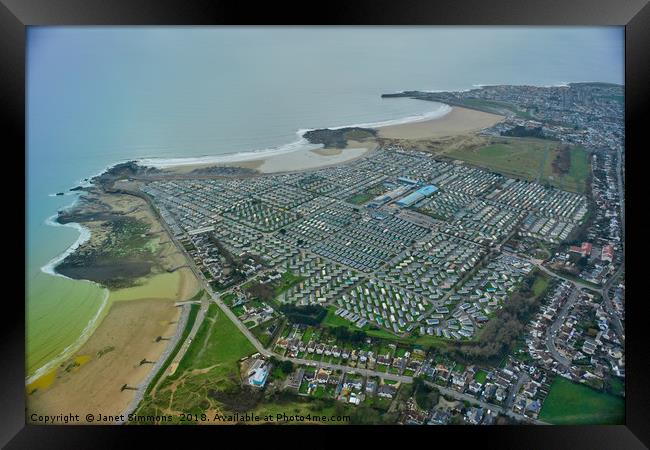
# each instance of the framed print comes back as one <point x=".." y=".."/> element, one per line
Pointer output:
<point x="362" y="220"/>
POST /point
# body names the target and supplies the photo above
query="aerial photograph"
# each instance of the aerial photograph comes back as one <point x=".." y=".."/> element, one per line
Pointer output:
<point x="325" y="225"/>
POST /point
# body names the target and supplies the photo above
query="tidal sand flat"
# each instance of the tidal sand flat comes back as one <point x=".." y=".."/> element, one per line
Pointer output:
<point x="457" y="121"/>
<point x="295" y="160"/>
<point x="313" y="159"/>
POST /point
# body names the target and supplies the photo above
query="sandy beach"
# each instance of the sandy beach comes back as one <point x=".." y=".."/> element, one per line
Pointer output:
<point x="458" y="121"/>
<point x="111" y="357"/>
<point x="303" y="159"/>
<point x="113" y="354"/>
<point x="91" y="379"/>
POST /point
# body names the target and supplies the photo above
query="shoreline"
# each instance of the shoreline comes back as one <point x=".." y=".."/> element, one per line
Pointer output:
<point x="84" y="236"/>
<point x="90" y="380"/>
<point x="300" y="145"/>
<point x="313" y="156"/>
<point x="67" y="352"/>
<point x="459" y="120"/>
<point x="121" y="332"/>
<point x="447" y="122"/>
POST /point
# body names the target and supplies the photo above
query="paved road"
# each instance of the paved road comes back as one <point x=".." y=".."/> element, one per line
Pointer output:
<point x="621" y="194"/>
<point x="618" y="326"/>
<point x="257" y="344"/>
<point x="483" y="404"/>
<point x="609" y="305"/>
<point x="521" y="379"/>
<point x="604" y="291"/>
<point x="343" y="368"/>
<point x="559" y="320"/>
<point x="260" y="348"/>
<point x="561" y="277"/>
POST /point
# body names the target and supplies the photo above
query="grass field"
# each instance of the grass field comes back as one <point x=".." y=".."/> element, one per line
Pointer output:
<point x="218" y="341"/>
<point x="287" y="280"/>
<point x="332" y="320"/>
<point x="523" y="158"/>
<point x="362" y="197"/>
<point x="367" y="195"/>
<point x="569" y="403"/>
<point x="303" y="407"/>
<point x="540" y="284"/>
<point x="529" y="159"/>
<point x="575" y="180"/>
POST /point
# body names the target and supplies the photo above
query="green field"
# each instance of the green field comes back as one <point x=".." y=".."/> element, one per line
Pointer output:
<point x="332" y="320"/>
<point x="287" y="280"/>
<point x="540" y="285"/>
<point x="424" y="341"/>
<point x="218" y="341"/>
<point x="569" y="403"/>
<point x="529" y="159"/>
<point x="575" y="180"/>
<point x="367" y="195"/>
<point x="522" y="158"/>
<point x="304" y="407"/>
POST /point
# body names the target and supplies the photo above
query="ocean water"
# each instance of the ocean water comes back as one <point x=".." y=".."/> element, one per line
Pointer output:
<point x="101" y="95"/>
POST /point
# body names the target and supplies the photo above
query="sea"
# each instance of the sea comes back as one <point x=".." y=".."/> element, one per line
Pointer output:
<point x="97" y="96"/>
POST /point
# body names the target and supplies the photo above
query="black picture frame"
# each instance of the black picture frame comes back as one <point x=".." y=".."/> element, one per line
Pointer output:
<point x="16" y="15"/>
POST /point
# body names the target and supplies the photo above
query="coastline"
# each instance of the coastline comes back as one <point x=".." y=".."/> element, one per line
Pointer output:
<point x="78" y="369"/>
<point x="84" y="236"/>
<point x="71" y="349"/>
<point x="110" y="358"/>
<point x="298" y="147"/>
<point x="444" y="122"/>
<point x="457" y="121"/>
<point x="297" y="156"/>
<point x="50" y="269"/>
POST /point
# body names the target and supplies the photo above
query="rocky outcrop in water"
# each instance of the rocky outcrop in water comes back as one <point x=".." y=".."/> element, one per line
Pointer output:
<point x="338" y="138"/>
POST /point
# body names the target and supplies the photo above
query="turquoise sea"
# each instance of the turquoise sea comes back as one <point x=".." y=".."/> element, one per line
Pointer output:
<point x="101" y="95"/>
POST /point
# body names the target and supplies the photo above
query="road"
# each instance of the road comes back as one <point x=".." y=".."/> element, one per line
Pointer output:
<point x="559" y="320"/>
<point x="561" y="277"/>
<point x="267" y="353"/>
<point x="609" y="305"/>
<point x="618" y="326"/>
<point x="521" y="379"/>
<point x="348" y="369"/>
<point x="621" y="194"/>
<point x="365" y="372"/>
<point x="604" y="291"/>
<point x="483" y="404"/>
